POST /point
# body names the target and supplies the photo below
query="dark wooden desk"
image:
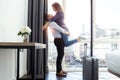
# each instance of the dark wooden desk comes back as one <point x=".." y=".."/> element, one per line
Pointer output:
<point x="20" y="45"/>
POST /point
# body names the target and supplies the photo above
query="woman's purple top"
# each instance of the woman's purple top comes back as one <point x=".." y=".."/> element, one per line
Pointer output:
<point x="59" y="19"/>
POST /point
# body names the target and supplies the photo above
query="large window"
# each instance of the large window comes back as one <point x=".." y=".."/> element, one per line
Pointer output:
<point x="107" y="28"/>
<point x="77" y="15"/>
<point x="106" y="31"/>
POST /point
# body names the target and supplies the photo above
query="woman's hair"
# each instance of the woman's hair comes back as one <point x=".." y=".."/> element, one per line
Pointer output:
<point x="57" y="6"/>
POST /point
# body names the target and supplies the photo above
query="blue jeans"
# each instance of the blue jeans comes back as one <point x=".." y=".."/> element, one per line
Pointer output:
<point x="58" y="32"/>
<point x="66" y="41"/>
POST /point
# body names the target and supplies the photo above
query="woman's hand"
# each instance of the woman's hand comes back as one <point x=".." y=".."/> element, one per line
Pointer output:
<point x="50" y="16"/>
<point x="68" y="33"/>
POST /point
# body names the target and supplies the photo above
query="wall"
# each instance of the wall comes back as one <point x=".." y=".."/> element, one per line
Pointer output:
<point x="13" y="15"/>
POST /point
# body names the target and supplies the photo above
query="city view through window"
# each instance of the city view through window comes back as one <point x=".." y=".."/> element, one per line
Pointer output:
<point x="106" y="29"/>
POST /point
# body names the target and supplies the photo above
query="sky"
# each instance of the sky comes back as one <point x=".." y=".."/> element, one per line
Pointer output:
<point x="108" y="13"/>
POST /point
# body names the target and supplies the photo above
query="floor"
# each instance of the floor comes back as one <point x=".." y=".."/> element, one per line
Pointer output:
<point x="78" y="76"/>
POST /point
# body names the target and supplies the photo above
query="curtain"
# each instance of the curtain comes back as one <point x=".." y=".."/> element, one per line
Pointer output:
<point x="37" y="9"/>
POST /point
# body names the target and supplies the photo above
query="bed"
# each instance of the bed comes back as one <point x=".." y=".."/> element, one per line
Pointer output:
<point x="113" y="62"/>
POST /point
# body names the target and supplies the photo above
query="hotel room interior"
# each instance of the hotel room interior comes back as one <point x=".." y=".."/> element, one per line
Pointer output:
<point x="96" y="20"/>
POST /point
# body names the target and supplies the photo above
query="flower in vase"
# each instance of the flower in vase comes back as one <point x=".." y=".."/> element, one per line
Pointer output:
<point x="24" y="32"/>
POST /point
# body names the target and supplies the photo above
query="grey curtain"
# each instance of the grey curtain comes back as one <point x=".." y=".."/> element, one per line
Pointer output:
<point x="37" y="9"/>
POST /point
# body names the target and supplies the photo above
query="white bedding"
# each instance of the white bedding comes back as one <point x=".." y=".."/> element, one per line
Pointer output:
<point x="113" y="62"/>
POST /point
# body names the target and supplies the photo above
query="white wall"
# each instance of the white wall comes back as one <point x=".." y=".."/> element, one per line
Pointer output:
<point x="13" y="15"/>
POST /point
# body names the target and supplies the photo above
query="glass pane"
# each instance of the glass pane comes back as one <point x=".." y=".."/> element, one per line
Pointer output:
<point x="107" y="28"/>
<point x="78" y="21"/>
<point x="107" y="19"/>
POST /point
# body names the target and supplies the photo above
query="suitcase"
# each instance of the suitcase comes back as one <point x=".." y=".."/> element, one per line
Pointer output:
<point x="90" y="68"/>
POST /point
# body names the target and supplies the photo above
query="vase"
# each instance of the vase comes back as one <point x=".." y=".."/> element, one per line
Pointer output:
<point x="25" y="40"/>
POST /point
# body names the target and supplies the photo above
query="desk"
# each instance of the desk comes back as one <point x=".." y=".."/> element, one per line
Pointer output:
<point x="20" y="45"/>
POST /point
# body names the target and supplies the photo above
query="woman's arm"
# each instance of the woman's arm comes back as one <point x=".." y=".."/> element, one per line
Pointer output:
<point x="49" y="17"/>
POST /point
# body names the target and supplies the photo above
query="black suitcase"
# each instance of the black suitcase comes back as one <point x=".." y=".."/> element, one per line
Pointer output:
<point x="90" y="68"/>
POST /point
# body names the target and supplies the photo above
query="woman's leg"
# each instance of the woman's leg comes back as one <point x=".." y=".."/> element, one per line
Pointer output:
<point x="67" y="42"/>
<point x="64" y="36"/>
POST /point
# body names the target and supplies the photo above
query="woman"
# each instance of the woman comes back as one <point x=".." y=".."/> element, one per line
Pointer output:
<point x="59" y="19"/>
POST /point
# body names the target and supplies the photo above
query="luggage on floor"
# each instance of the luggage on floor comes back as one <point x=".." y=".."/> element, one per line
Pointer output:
<point x="90" y="68"/>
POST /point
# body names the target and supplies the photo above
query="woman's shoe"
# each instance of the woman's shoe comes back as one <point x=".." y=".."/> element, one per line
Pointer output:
<point x="61" y="74"/>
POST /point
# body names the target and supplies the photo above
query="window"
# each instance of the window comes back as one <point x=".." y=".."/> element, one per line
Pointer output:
<point x="106" y="31"/>
<point x="107" y="28"/>
<point x="77" y="15"/>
